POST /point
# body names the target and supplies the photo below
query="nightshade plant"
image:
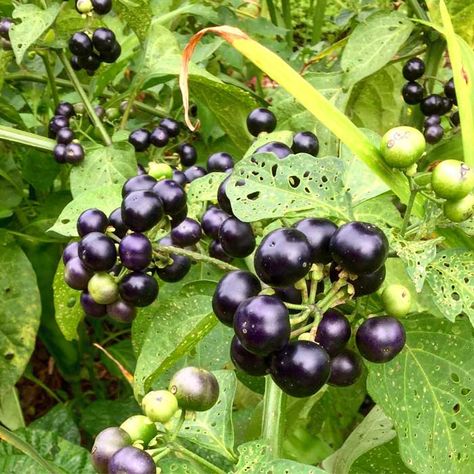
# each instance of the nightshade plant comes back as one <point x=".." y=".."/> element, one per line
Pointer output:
<point x="253" y="248"/>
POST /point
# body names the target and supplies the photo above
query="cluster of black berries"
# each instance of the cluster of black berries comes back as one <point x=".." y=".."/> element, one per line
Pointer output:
<point x="89" y="53"/>
<point x="101" y="7"/>
<point x="66" y="150"/>
<point x="118" y="450"/>
<point x="5" y="25"/>
<point x="432" y="106"/>
<point x="353" y="256"/>
<point x="116" y="279"/>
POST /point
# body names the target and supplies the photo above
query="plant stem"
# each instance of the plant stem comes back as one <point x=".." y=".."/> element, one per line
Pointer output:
<point x="411" y="201"/>
<point x="286" y="10"/>
<point x="319" y="8"/>
<point x="26" y="138"/>
<point x="85" y="99"/>
<point x="418" y="10"/>
<point x="195" y="457"/>
<point x="182" y="417"/>
<point x="51" y="78"/>
<point x="295" y="306"/>
<point x="272" y="12"/>
<point x="274" y="403"/>
<point x="198" y="257"/>
<point x="26" y="448"/>
<point x="156" y="457"/>
<point x="433" y="59"/>
<point x="130" y="101"/>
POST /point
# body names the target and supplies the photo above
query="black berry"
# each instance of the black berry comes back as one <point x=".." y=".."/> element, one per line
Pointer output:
<point x="175" y="271"/>
<point x="74" y="153"/>
<point x="280" y="150"/>
<point x="432" y="105"/>
<point x="138" y="289"/>
<point x="180" y="178"/>
<point x="186" y="233"/>
<point x="76" y="274"/>
<point x="65" y="136"/>
<point x="431" y="120"/>
<point x="106" y="444"/>
<point x="57" y="123"/>
<point x="115" y="220"/>
<point x="244" y="360"/>
<point x="261" y="120"/>
<point x="90" y="307"/>
<point x="454" y="119"/>
<point x="66" y="109"/>
<point x="59" y="153"/>
<point x="5" y="25"/>
<point x="103" y="39"/>
<point x="305" y="142"/>
<point x="450" y="90"/>
<point x="171" y="126"/>
<point x="102" y="7"/>
<point x="211" y="221"/>
<point x="346" y="368"/>
<point x="70" y="252"/>
<point x="141" y="182"/>
<point x="159" y="137"/>
<point x="220" y="162"/>
<point x="318" y="232"/>
<point x="412" y="93"/>
<point x="97" y="252"/>
<point x="131" y="460"/>
<point x="135" y="251"/>
<point x="194" y="172"/>
<point x="111" y="55"/>
<point x="365" y="283"/>
<point x="140" y="139"/>
<point x="90" y="63"/>
<point x="334" y="331"/>
<point x="121" y="311"/>
<point x="433" y="134"/>
<point x="216" y="251"/>
<point x="236" y="238"/>
<point x="413" y="69"/>
<point x="91" y="220"/>
<point x="222" y="198"/>
<point x="80" y="44"/>
<point x="187" y="154"/>
<point x="172" y="196"/>
<point x="141" y="210"/>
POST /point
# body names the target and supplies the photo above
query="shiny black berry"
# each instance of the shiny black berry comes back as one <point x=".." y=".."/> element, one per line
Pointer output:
<point x="334" y="331"/>
<point x="179" y="217"/>
<point x="216" y="251"/>
<point x="233" y="289"/>
<point x="115" y="220"/>
<point x="187" y="154"/>
<point x="111" y="55"/>
<point x="70" y="252"/>
<point x="121" y="311"/>
<point x="283" y="257"/>
<point x="76" y="274"/>
<point x="97" y="252"/>
<point x="5" y="25"/>
<point x="318" y="232"/>
<point x="141" y="182"/>
<point x="244" y="360"/>
<point x="280" y="150"/>
<point x="187" y="233"/>
<point x="75" y="63"/>
<point x="101" y="7"/>
<point x="159" y="137"/>
<point x="454" y="119"/>
<point x="413" y="69"/>
<point x="140" y="139"/>
<point x="73" y="153"/>
<point x="412" y="93"/>
<point x="141" y="210"/>
<point x="90" y="307"/>
<point x="431" y="120"/>
<point x="103" y="39"/>
<point x="66" y="109"/>
<point x="57" y="123"/>
<point x="365" y="283"/>
<point x="446" y="105"/>
<point x="131" y="460"/>
<point x="380" y="339"/>
<point x="433" y="134"/>
<point x="211" y="221"/>
<point x="106" y="444"/>
<point x="175" y="271"/>
<point x="65" y="136"/>
<point x="262" y="324"/>
<point x="172" y="196"/>
<point x="261" y="120"/>
<point x="135" y="251"/>
<point x="138" y="289"/>
<point x="91" y="220"/>
<point x="301" y="368"/>
<point x="180" y="178"/>
<point x="220" y="162"/>
<point x="305" y="142"/>
<point x="450" y="90"/>
<point x="346" y="368"/>
<point x="171" y="126"/>
<point x="90" y="63"/>
<point x="432" y="105"/>
<point x="236" y="238"/>
<point x="194" y="172"/>
<point x="359" y="247"/>
<point x="59" y="153"/>
<point x="80" y="44"/>
<point x="222" y="198"/>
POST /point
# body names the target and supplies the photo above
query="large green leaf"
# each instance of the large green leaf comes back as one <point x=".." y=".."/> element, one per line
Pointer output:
<point x="20" y="310"/>
<point x="427" y="392"/>
<point x="106" y="198"/>
<point x="34" y="21"/>
<point x="103" y="167"/>
<point x="59" y="420"/>
<point x="9" y="113"/>
<point x="202" y="190"/>
<point x="373" y="44"/>
<point x="136" y="14"/>
<point x="375" y="430"/>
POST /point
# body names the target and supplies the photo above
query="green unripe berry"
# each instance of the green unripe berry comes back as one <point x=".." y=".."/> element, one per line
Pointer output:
<point x="396" y="300"/>
<point x="84" y="6"/>
<point x="460" y="210"/>
<point x="112" y="113"/>
<point x="401" y="147"/>
<point x="160" y="170"/>
<point x="103" y="288"/>
<point x="139" y="428"/>
<point x="79" y="108"/>
<point x="452" y="179"/>
<point x="160" y="405"/>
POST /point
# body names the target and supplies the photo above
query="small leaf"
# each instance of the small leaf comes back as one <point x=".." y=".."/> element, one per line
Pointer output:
<point x="202" y="190"/>
<point x="9" y="113"/>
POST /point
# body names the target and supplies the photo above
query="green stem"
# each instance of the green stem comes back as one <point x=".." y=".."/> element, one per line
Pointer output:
<point x="161" y="454"/>
<point x="26" y="138"/>
<point x="85" y="99"/>
<point x="418" y="10"/>
<point x="411" y="201"/>
<point x="130" y="102"/>
<point x="286" y="10"/>
<point x="197" y="257"/>
<point x="301" y="330"/>
<point x="319" y="8"/>
<point x="273" y="422"/>
<point x="433" y="59"/>
<point x="40" y="384"/>
<point x="182" y="417"/>
<point x="272" y="12"/>
<point x="195" y="457"/>
<point x="301" y="317"/>
<point x="51" y="78"/>
<point x="295" y="306"/>
<point x="26" y="448"/>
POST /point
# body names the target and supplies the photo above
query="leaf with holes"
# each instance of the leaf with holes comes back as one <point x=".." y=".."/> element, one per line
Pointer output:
<point x="451" y="277"/>
<point x="375" y="430"/>
<point x="380" y="211"/>
<point x="20" y="310"/>
<point x="213" y="429"/>
<point x="427" y="392"/>
<point x="203" y="190"/>
<point x="263" y="186"/>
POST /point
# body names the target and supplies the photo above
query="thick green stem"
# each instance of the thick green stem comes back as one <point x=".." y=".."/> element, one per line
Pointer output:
<point x="286" y="10"/>
<point x="26" y="138"/>
<point x="51" y="78"/>
<point x="418" y="10"/>
<point x="272" y="12"/>
<point x="273" y="422"/>
<point x="411" y="201"/>
<point x="195" y="457"/>
<point x="24" y="447"/>
<point x="319" y="8"/>
<point x="85" y="99"/>
<point x="197" y="257"/>
<point x="433" y="59"/>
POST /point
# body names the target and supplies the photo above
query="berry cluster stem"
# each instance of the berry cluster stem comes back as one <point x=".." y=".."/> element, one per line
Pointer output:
<point x="411" y="201"/>
<point x="197" y="257"/>
<point x="85" y="99"/>
<point x="273" y="422"/>
<point x="51" y="79"/>
<point x="26" y="138"/>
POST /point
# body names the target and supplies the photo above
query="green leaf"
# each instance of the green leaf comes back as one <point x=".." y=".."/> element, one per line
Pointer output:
<point x="105" y="166"/>
<point x="59" y="420"/>
<point x="173" y="328"/>
<point x="9" y="113"/>
<point x="67" y="307"/>
<point x="451" y="278"/>
<point x="256" y="457"/>
<point x="106" y="198"/>
<point x="137" y="16"/>
<point x="375" y="430"/>
<point x="11" y="414"/>
<point x="34" y="22"/>
<point x="263" y="186"/>
<point x="380" y="211"/>
<point x="373" y="43"/>
<point x="427" y="392"/>
<point x="202" y="190"/>
<point x="20" y="310"/>
<point x="213" y="429"/>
